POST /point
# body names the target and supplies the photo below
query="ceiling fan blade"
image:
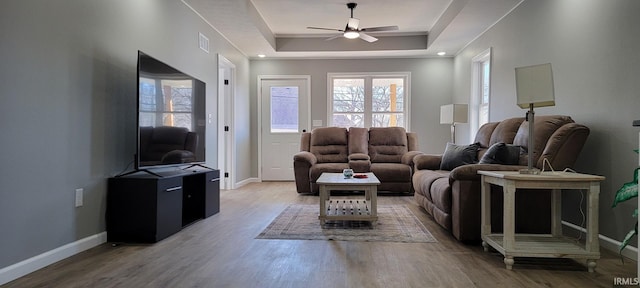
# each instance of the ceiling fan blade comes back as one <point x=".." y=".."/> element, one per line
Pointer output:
<point x="333" y="37"/>
<point x="368" y="38"/>
<point x="381" y="28"/>
<point x="353" y="23"/>
<point x="329" y="29"/>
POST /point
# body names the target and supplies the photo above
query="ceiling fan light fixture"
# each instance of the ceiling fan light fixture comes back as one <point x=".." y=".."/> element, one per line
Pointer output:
<point x="351" y="34"/>
<point x="353" y="30"/>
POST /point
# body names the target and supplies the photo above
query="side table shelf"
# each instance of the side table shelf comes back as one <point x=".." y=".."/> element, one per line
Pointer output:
<point x="540" y="245"/>
<point x="553" y="245"/>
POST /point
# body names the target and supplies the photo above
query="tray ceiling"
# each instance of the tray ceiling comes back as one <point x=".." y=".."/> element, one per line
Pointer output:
<point x="277" y="28"/>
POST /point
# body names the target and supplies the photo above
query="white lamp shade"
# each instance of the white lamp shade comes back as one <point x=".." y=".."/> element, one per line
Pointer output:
<point x="534" y="84"/>
<point x="453" y="113"/>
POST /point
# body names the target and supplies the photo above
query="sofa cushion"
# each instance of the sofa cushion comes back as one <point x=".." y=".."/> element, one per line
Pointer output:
<point x="501" y="153"/>
<point x="358" y="140"/>
<point x="391" y="172"/>
<point x="457" y="155"/>
<point x="545" y="126"/>
<point x="388" y="144"/>
<point x="441" y="194"/>
<point x="506" y="131"/>
<point x="483" y="136"/>
<point x="423" y="179"/>
<point x="329" y="144"/>
<point x="316" y="170"/>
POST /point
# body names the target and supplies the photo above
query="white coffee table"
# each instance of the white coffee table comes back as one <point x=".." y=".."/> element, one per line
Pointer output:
<point x="356" y="209"/>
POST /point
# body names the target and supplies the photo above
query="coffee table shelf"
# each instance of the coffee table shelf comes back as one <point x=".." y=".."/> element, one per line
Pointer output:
<point x="349" y="209"/>
<point x="357" y="209"/>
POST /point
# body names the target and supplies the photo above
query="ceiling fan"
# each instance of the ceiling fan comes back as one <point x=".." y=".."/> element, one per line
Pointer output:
<point x="352" y="31"/>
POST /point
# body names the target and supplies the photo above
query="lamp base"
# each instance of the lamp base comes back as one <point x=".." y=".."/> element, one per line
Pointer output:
<point x="530" y="171"/>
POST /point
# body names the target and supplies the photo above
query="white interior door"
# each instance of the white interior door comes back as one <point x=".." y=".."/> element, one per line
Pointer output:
<point x="284" y="116"/>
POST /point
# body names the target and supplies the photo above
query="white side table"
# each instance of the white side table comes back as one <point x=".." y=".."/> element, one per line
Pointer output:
<point x="552" y="245"/>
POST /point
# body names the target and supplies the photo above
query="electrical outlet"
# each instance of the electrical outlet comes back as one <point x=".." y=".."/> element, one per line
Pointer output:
<point x="79" y="195"/>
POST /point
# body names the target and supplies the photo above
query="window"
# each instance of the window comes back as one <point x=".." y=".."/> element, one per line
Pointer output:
<point x="481" y="90"/>
<point x="369" y="100"/>
<point x="284" y="109"/>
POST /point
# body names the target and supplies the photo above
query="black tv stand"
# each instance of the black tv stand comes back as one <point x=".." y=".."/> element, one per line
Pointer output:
<point x="149" y="206"/>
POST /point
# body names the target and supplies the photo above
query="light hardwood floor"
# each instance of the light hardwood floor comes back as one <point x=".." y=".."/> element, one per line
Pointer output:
<point x="221" y="251"/>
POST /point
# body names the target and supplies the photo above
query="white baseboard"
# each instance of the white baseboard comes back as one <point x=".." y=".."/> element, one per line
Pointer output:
<point x="608" y="243"/>
<point x="15" y="271"/>
<point x="247" y="181"/>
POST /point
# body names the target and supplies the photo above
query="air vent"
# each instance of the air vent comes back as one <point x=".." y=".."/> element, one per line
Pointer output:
<point x="203" y="42"/>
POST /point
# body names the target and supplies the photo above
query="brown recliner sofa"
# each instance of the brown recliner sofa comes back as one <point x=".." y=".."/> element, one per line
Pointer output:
<point x="452" y="198"/>
<point x="387" y="152"/>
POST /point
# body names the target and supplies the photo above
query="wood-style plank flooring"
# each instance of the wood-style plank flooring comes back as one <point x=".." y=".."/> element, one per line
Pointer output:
<point x="221" y="251"/>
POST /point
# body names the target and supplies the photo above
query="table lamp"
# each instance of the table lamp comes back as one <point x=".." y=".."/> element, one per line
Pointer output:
<point x="534" y="88"/>
<point x="453" y="114"/>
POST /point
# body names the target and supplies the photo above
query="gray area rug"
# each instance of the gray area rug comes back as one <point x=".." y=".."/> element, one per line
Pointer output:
<point x="396" y="223"/>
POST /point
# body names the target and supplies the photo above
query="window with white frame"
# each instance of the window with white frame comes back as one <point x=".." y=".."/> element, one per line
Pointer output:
<point x="480" y="90"/>
<point x="369" y="100"/>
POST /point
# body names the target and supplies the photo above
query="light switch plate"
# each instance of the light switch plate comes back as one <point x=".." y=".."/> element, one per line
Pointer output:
<point x="79" y="197"/>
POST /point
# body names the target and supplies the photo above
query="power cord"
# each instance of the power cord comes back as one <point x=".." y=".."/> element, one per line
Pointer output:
<point x="546" y="161"/>
<point x="125" y="168"/>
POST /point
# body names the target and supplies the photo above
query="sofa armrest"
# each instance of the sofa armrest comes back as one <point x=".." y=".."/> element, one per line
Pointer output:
<point x="427" y="162"/>
<point x="360" y="162"/>
<point x="359" y="156"/>
<point x="470" y="171"/>
<point x="304" y="156"/>
<point x="407" y="158"/>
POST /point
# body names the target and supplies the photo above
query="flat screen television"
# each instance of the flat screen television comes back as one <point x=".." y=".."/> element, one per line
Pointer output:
<point x="171" y="116"/>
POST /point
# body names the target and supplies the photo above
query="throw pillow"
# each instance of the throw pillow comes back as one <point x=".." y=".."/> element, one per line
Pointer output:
<point x="501" y="153"/>
<point x="457" y="155"/>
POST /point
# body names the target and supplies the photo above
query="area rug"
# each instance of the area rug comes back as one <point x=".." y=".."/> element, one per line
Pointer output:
<point x="396" y="223"/>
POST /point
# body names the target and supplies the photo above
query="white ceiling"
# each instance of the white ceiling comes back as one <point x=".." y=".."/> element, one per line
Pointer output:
<point x="277" y="28"/>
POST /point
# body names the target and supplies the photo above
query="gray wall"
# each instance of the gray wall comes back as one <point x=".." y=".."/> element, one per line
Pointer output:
<point x="431" y="87"/>
<point x="593" y="47"/>
<point x="68" y="108"/>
